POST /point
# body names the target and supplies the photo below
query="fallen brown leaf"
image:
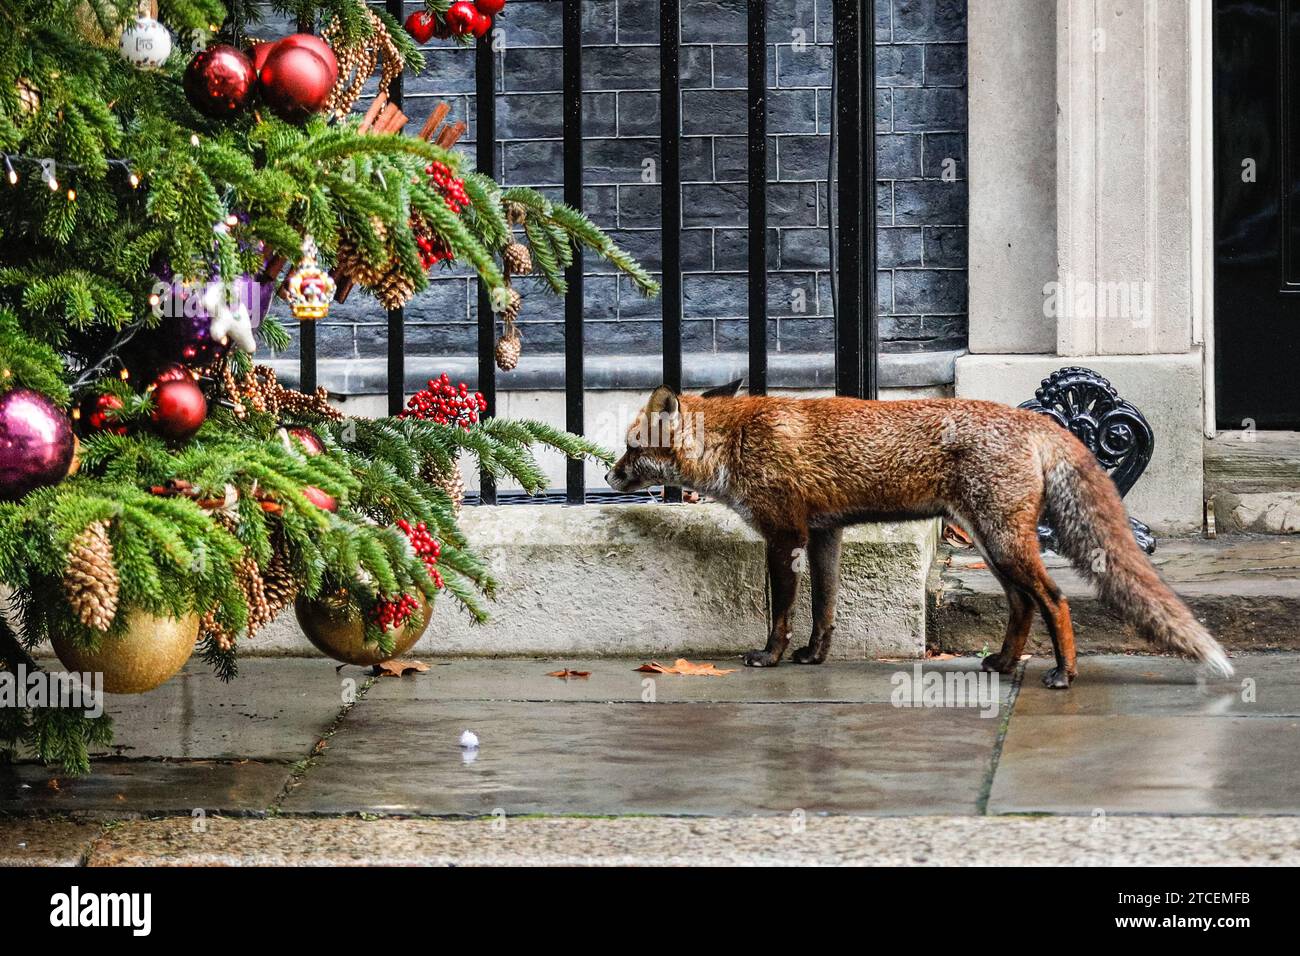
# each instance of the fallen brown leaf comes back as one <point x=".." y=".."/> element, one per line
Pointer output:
<point x="566" y="674"/>
<point x="398" y="668"/>
<point x="974" y="566"/>
<point x="930" y="656"/>
<point x="685" y="668"/>
<point x="956" y="537"/>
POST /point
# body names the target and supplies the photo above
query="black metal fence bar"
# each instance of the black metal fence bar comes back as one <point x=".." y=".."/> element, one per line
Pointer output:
<point x="396" y="317"/>
<point x="573" y="303"/>
<point x="757" y="96"/>
<point x="851" y="194"/>
<point x="868" y="353"/>
<point x="485" y="149"/>
<point x="670" y="178"/>
<point x="307" y="355"/>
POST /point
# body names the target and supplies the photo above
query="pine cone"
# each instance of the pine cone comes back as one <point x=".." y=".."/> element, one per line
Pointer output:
<point x="509" y="348"/>
<point x="451" y="481"/>
<point x="514" y="306"/>
<point x="394" y="289"/>
<point x="516" y="213"/>
<point x="518" y="259"/>
<point x="90" y="581"/>
<point x="279" y="584"/>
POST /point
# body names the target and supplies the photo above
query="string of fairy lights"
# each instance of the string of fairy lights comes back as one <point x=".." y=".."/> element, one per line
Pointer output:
<point x="50" y="169"/>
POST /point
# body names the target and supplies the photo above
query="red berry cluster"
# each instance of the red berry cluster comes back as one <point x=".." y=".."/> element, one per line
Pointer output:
<point x="445" y="403"/>
<point x="391" y="615"/>
<point x="432" y="247"/>
<point x="394" y="613"/>
<point x="426" y="547"/>
<point x="452" y="188"/>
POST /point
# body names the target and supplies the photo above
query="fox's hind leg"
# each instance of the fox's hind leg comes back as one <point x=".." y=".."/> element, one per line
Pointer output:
<point x="1013" y="549"/>
<point x="787" y="553"/>
<point x="824" y="560"/>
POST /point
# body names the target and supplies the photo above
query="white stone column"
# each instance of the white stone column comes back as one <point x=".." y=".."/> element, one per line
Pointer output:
<point x="1102" y="191"/>
<point x="1123" y="181"/>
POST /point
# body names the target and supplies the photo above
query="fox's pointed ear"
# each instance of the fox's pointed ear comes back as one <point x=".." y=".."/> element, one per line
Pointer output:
<point x="723" y="391"/>
<point x="663" y="401"/>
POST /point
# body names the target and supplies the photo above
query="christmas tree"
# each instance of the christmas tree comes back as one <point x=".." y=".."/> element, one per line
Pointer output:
<point x="165" y="183"/>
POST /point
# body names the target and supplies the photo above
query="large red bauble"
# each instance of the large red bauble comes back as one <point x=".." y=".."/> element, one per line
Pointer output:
<point x="460" y="17"/>
<point x="258" y="53"/>
<point x="179" y="408"/>
<point x="421" y="26"/>
<point x="309" y="41"/>
<point x="482" y="24"/>
<point x="36" y="443"/>
<point x="219" y="80"/>
<point x="296" y="82"/>
<point x="96" y="414"/>
<point x="490" y="7"/>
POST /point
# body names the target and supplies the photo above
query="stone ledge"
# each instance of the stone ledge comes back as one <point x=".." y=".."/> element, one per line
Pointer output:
<point x="659" y="580"/>
<point x="546" y="372"/>
<point x="1246" y="590"/>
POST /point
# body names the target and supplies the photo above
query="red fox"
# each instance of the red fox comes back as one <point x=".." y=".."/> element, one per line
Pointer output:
<point x="800" y="470"/>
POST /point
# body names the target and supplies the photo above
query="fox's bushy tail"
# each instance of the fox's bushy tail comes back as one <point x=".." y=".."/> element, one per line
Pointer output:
<point x="1084" y="507"/>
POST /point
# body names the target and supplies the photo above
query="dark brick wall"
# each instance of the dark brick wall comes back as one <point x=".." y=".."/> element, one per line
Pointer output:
<point x="921" y="195"/>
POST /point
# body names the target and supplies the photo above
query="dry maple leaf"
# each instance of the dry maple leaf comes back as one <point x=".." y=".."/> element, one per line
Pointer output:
<point x="566" y="674"/>
<point x="685" y="668"/>
<point x="396" y="668"/>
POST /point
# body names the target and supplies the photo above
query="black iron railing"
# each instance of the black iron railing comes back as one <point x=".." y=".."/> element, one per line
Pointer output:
<point x="852" y="206"/>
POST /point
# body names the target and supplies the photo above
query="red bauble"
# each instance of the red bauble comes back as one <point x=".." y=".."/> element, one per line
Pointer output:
<point x="482" y="24"/>
<point x="179" y="408"/>
<point x="96" y="417"/>
<point x="308" y="441"/>
<point x="319" y="498"/>
<point x="460" y="17"/>
<point x="219" y="81"/>
<point x="490" y="7"/>
<point x="173" y="373"/>
<point x="296" y="82"/>
<point x="258" y="53"/>
<point x="309" y="41"/>
<point x="421" y="25"/>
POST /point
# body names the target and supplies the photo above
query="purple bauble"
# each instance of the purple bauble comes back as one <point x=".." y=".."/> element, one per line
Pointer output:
<point x="255" y="294"/>
<point x="36" y="443"/>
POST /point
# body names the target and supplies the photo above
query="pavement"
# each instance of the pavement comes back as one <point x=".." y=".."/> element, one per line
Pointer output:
<point x="903" y="762"/>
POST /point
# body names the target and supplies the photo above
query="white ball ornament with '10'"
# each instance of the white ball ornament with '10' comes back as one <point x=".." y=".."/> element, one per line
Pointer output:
<point x="146" y="44"/>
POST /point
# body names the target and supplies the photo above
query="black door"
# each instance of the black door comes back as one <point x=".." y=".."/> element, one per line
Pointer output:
<point x="1257" y="212"/>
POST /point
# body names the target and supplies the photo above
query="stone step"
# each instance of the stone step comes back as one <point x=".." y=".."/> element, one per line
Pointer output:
<point x="659" y="580"/>
<point x="1245" y="588"/>
<point x="1252" y="479"/>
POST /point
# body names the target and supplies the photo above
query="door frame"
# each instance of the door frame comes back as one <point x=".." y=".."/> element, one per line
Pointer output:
<point x="1201" y="142"/>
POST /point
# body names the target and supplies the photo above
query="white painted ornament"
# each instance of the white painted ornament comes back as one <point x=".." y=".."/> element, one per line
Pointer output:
<point x="146" y="44"/>
<point x="469" y="740"/>
<point x="229" y="324"/>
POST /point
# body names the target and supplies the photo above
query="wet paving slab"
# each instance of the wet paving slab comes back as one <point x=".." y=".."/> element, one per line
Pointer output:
<point x="1143" y="735"/>
<point x="119" y="788"/>
<point x="617" y="679"/>
<point x="275" y="710"/>
<point x="403" y="757"/>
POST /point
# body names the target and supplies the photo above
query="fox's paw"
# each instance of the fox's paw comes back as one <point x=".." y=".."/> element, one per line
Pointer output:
<point x="1058" y="678"/>
<point x="807" y="655"/>
<point x="760" y="659"/>
<point x="996" y="662"/>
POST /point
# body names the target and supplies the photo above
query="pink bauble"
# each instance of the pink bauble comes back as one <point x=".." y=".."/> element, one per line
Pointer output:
<point x="36" y="443"/>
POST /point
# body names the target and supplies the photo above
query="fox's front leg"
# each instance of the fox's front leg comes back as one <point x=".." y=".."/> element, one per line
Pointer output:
<point x="824" y="559"/>
<point x="787" y="554"/>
